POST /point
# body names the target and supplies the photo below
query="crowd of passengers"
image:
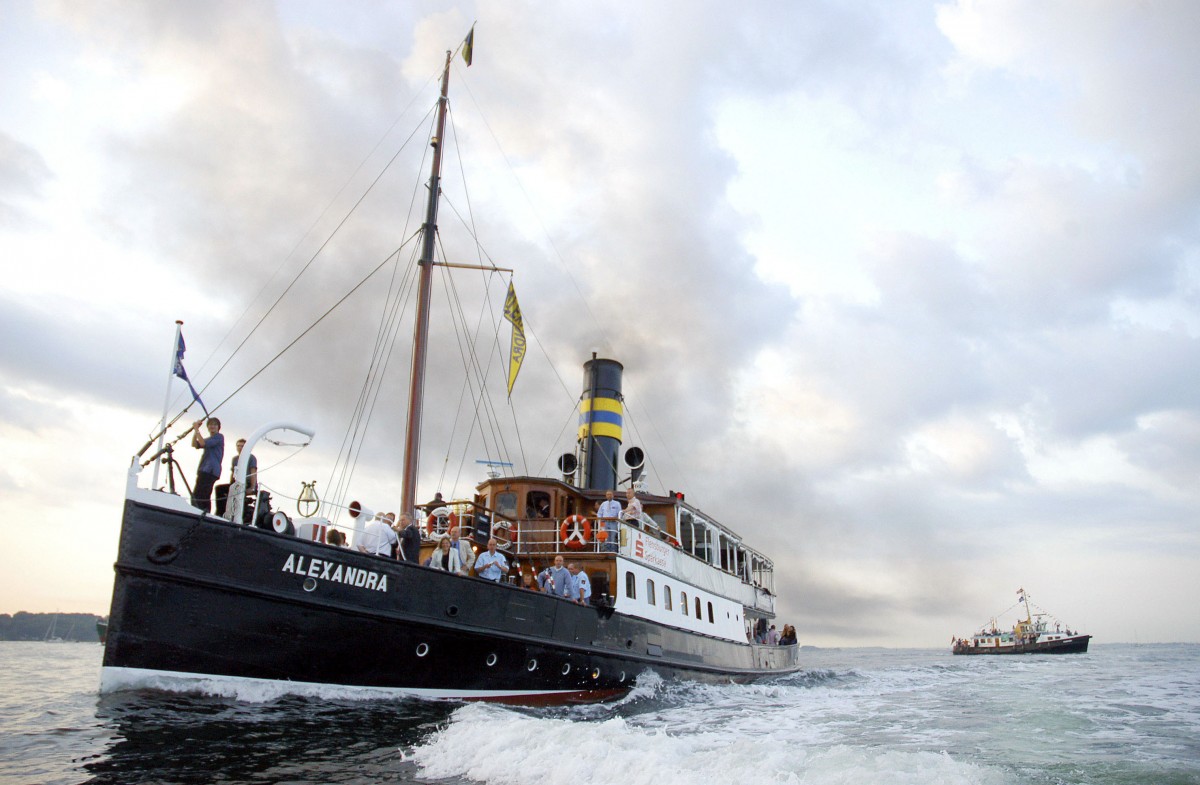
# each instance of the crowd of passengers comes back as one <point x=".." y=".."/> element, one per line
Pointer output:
<point x="402" y="540"/>
<point x="771" y="636"/>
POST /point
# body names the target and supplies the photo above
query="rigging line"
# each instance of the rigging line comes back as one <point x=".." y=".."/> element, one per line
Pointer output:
<point x="390" y="307"/>
<point x="537" y="216"/>
<point x="312" y="259"/>
<point x="572" y="417"/>
<point x="466" y="386"/>
<point x="638" y="436"/>
<point x="360" y="421"/>
<point x="471" y="361"/>
<point x="353" y="452"/>
<point x="665" y="446"/>
<point x="309" y="329"/>
<point x="403" y="112"/>
<point x="480" y="254"/>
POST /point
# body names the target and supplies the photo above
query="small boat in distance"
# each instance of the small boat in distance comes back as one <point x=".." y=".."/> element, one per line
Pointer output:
<point x="1031" y="635"/>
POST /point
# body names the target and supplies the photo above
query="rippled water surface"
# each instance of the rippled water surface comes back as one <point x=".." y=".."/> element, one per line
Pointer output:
<point x="1118" y="714"/>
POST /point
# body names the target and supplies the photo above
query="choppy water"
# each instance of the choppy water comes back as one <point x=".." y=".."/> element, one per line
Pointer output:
<point x="1119" y="714"/>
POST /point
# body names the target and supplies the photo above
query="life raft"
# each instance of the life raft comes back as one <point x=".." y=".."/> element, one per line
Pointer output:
<point x="431" y="523"/>
<point x="575" y="532"/>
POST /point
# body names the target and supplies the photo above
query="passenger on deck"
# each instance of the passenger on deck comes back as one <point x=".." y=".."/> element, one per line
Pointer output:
<point x="558" y="580"/>
<point x="491" y="564"/>
<point x="378" y="537"/>
<point x="335" y="537"/>
<point x="583" y="586"/>
<point x="608" y="511"/>
<point x="772" y="636"/>
<point x="789" y="636"/>
<point x="466" y="554"/>
<point x="760" y="631"/>
<point x="528" y="581"/>
<point x="209" y="470"/>
<point x="410" y="539"/>
<point x="445" y="558"/>
<point x="438" y="501"/>
<point x="633" y="507"/>
<point x="251" y="469"/>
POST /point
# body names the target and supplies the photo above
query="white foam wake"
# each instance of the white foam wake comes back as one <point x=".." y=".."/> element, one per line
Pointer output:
<point x="493" y="745"/>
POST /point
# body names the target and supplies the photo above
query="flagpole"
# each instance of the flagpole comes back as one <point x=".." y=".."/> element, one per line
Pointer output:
<point x="162" y="424"/>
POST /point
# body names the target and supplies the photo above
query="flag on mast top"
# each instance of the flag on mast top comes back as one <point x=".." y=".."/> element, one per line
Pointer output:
<point x="468" y="46"/>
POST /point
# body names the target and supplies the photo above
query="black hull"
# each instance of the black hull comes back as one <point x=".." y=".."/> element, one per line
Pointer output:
<point x="1074" y="645"/>
<point x="199" y="597"/>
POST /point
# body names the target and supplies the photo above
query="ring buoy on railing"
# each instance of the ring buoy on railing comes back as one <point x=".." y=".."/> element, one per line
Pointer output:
<point x="431" y="523"/>
<point x="575" y="532"/>
<point x="505" y="531"/>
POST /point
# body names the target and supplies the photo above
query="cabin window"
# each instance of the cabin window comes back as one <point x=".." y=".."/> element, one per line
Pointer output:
<point x="650" y="591"/>
<point x="537" y="505"/>
<point x="506" y="504"/>
<point x="667" y="598"/>
<point x="631" y="585"/>
<point x="710" y="614"/>
<point x="698" y="609"/>
<point x="660" y="520"/>
<point x="686" y="537"/>
<point x="683" y="602"/>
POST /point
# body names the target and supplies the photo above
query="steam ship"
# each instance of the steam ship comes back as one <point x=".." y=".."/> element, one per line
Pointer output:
<point x="260" y="594"/>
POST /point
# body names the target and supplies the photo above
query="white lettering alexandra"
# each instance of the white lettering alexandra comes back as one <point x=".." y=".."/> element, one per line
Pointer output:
<point x="338" y="573"/>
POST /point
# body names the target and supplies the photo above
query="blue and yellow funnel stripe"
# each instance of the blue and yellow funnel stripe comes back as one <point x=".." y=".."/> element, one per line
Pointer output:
<point x="602" y="416"/>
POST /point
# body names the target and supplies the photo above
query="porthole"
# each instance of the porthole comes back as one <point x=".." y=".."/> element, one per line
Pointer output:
<point x="622" y="677"/>
<point x="422" y="649"/>
<point x="310" y="584"/>
<point x="566" y="668"/>
<point x="595" y="673"/>
<point x="531" y="665"/>
<point x="452" y="611"/>
<point x="164" y="553"/>
<point x="491" y="660"/>
<point x="629" y="643"/>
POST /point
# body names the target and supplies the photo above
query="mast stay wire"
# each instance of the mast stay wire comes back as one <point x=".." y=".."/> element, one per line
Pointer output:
<point x="308" y="264"/>
<point x="480" y="254"/>
<point x="357" y="426"/>
<point x="329" y="206"/>
<point x="389" y="325"/>
<point x="467" y="348"/>
<point x="546" y="232"/>
<point x="597" y="322"/>
<point x="309" y="329"/>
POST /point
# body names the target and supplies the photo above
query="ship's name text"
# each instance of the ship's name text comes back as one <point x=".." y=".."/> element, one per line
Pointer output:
<point x="332" y="571"/>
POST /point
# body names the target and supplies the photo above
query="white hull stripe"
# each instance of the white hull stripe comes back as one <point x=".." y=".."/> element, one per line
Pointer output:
<point x="114" y="679"/>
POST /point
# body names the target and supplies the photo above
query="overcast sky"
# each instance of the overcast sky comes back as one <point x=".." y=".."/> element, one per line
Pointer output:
<point x="908" y="293"/>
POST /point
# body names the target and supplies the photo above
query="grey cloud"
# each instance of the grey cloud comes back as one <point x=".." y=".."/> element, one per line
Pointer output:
<point x="23" y="174"/>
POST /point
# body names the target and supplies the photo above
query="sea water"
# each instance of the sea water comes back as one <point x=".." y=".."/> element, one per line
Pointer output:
<point x="1118" y="714"/>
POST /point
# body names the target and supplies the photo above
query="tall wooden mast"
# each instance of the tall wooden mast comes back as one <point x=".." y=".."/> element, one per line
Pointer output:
<point x="416" y="391"/>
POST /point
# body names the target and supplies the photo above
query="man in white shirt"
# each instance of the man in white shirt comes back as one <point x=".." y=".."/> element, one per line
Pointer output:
<point x="608" y="511"/>
<point x="378" y="537"/>
<point x="491" y="565"/>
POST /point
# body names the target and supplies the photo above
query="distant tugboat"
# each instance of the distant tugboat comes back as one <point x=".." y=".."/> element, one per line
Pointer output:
<point x="1026" y="637"/>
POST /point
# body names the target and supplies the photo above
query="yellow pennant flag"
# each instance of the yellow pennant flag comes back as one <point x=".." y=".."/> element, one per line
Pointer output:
<point x="468" y="46"/>
<point x="516" y="352"/>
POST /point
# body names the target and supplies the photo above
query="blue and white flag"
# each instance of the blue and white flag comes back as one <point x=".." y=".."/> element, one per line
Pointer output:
<point x="182" y="374"/>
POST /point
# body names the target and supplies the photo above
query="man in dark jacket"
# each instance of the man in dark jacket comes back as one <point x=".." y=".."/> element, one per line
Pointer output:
<point x="410" y="539"/>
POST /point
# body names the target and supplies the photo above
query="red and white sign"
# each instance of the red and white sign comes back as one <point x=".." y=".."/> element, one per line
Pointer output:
<point x="649" y="550"/>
